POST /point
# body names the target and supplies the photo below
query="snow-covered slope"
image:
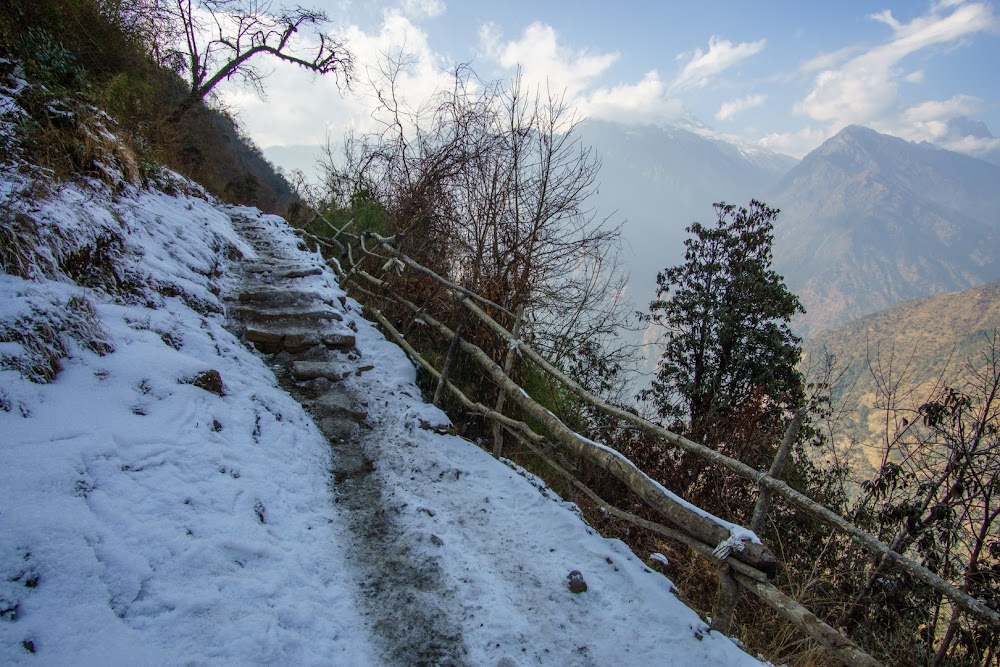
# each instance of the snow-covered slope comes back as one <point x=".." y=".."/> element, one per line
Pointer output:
<point x="129" y="522"/>
<point x="151" y="516"/>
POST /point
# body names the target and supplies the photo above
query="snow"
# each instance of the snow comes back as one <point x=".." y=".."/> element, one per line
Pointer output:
<point x="130" y="495"/>
<point x="145" y="520"/>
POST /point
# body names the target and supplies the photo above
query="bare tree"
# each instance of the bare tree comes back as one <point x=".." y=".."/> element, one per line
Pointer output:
<point x="490" y="184"/>
<point x="936" y="497"/>
<point x="223" y="38"/>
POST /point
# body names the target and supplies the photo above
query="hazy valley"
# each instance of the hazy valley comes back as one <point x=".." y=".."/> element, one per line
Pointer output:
<point x="867" y="220"/>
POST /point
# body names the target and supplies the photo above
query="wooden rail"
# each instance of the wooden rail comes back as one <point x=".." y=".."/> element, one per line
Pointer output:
<point x="699" y="530"/>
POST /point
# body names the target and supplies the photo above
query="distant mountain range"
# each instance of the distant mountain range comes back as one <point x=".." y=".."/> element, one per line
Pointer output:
<point x="660" y="179"/>
<point x="868" y="220"/>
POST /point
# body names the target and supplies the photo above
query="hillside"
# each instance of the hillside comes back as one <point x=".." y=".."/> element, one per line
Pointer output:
<point x="869" y="221"/>
<point x="925" y="342"/>
<point x="96" y="58"/>
<point x="167" y="501"/>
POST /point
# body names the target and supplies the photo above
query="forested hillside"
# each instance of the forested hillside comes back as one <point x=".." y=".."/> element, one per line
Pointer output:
<point x="899" y="358"/>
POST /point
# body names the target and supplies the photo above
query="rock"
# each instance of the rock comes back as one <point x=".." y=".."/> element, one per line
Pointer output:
<point x="210" y="381"/>
<point x="576" y="582"/>
<point x="336" y="404"/>
<point x="303" y="272"/>
<point x="311" y="370"/>
<point x="337" y="430"/>
<point x="295" y="339"/>
<point x="268" y="315"/>
<point x="276" y="297"/>
<point x="341" y="341"/>
<point x="282" y="269"/>
<point x="263" y="336"/>
<point x="299" y="340"/>
<point x="440" y="429"/>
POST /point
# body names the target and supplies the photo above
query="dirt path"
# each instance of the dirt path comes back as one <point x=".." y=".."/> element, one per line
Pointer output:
<point x="310" y="345"/>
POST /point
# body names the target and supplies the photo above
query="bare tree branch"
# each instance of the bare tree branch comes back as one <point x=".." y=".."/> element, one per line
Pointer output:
<point x="222" y="39"/>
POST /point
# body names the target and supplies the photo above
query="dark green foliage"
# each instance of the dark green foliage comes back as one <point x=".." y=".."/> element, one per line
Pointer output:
<point x="368" y="213"/>
<point x="243" y="189"/>
<point x="52" y="61"/>
<point x="360" y="208"/>
<point x="726" y="313"/>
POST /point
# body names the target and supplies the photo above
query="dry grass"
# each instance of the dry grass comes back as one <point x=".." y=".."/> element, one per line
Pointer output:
<point x="20" y="243"/>
<point x="74" y="139"/>
<point x="923" y="342"/>
<point x="46" y="335"/>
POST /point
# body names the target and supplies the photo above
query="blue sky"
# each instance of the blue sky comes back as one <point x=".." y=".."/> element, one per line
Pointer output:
<point x="784" y="75"/>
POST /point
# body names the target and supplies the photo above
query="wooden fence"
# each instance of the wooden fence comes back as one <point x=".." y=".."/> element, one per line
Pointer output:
<point x="741" y="560"/>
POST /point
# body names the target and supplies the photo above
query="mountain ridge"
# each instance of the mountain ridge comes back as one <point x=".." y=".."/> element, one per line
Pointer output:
<point x="870" y="220"/>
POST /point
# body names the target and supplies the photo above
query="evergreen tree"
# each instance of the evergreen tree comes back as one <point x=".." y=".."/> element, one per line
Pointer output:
<point x="726" y="314"/>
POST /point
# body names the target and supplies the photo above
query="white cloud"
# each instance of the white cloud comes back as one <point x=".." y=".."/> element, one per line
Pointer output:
<point x="939" y="122"/>
<point x="970" y="145"/>
<point x="797" y="143"/>
<point x="547" y="62"/>
<point x="305" y="109"/>
<point x="640" y="101"/>
<point x="544" y="61"/>
<point x="947" y="123"/>
<point x="733" y="107"/>
<point x="916" y="76"/>
<point x="423" y="8"/>
<point x="959" y="105"/>
<point x="721" y="55"/>
<point x="864" y="89"/>
<point x="885" y="16"/>
<point x="828" y="60"/>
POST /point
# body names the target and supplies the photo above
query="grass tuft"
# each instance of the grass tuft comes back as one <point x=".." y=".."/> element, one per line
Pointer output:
<point x="39" y="341"/>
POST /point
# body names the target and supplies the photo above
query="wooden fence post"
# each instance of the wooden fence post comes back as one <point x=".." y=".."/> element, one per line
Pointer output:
<point x="764" y="499"/>
<point x="725" y="600"/>
<point x="449" y="360"/>
<point x="508" y="364"/>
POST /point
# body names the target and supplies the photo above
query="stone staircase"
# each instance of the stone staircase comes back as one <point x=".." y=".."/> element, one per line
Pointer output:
<point x="282" y="311"/>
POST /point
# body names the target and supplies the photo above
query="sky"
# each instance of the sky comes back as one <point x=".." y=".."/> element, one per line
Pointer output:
<point x="782" y="75"/>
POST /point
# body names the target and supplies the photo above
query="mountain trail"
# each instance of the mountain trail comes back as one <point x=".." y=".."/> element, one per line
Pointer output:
<point x="312" y="350"/>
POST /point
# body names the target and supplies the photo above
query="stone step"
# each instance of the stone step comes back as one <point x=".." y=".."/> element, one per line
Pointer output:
<point x="336" y="404"/>
<point x="271" y="297"/>
<point x="288" y="271"/>
<point x="294" y="339"/>
<point x="270" y="315"/>
<point x="312" y="370"/>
